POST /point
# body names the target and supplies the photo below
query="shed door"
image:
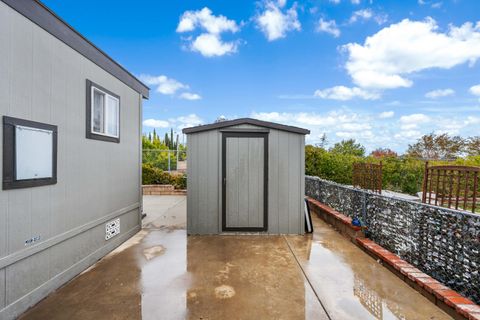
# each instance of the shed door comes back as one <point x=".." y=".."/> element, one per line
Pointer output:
<point x="245" y="172"/>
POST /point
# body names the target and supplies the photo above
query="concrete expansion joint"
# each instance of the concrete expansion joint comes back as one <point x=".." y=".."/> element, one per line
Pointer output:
<point x="305" y="276"/>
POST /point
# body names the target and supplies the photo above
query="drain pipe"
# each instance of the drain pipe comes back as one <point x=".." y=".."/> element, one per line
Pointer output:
<point x="364" y="214"/>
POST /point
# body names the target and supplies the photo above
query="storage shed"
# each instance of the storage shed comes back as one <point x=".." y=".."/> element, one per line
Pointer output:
<point x="245" y="175"/>
<point x="71" y="154"/>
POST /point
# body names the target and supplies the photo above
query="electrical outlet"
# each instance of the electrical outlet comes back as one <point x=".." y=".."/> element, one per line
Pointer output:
<point x="112" y="228"/>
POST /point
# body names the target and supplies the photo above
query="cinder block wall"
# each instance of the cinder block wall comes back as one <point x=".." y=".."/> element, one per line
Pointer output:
<point x="441" y="242"/>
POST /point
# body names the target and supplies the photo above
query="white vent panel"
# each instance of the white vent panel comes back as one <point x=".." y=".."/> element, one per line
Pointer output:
<point x="112" y="228"/>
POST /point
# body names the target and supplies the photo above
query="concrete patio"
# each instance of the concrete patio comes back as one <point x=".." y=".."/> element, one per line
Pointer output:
<point x="161" y="273"/>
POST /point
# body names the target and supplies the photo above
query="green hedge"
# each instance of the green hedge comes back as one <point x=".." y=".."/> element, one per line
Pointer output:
<point x="153" y="175"/>
<point x="401" y="174"/>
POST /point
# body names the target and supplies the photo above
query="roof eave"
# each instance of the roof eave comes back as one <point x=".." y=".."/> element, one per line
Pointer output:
<point x="260" y="123"/>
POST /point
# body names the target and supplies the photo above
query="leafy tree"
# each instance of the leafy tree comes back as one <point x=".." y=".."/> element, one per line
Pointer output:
<point x="166" y="140"/>
<point x="473" y="146"/>
<point x="383" y="152"/>
<point x="437" y="146"/>
<point x="323" y="141"/>
<point x="348" y="147"/>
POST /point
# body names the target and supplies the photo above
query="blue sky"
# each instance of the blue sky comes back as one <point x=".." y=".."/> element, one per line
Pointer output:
<point x="382" y="72"/>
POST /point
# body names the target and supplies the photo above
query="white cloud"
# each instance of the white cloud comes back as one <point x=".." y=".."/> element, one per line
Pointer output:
<point x="337" y="125"/>
<point x="338" y="1"/>
<point x="190" y="96"/>
<point x="330" y="119"/>
<point x="177" y="123"/>
<point x="434" y="94"/>
<point x="472" y="120"/>
<point x="169" y="86"/>
<point x="371" y="130"/>
<point x="208" y="43"/>
<point x="386" y="114"/>
<point x="328" y="27"/>
<point x="153" y="123"/>
<point x="387" y="57"/>
<point x="475" y="90"/>
<point x="345" y="93"/>
<point x="275" y="22"/>
<point x="412" y="121"/>
<point x="190" y="120"/>
<point x="204" y="19"/>
<point x="165" y="85"/>
<point x="408" y="134"/>
<point x="364" y="14"/>
<point x="367" y="14"/>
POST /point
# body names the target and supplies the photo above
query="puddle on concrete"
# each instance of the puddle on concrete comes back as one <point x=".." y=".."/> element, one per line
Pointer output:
<point x="153" y="252"/>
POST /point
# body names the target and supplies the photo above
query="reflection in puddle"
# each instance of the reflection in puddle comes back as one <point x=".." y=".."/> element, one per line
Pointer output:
<point x="369" y="298"/>
<point x="351" y="285"/>
<point x="378" y="307"/>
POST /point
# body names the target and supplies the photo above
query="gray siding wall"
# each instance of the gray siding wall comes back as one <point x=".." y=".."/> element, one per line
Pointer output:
<point x="286" y="182"/>
<point x="44" y="80"/>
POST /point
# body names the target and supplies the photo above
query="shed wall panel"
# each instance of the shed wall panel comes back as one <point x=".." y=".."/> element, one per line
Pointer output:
<point x="283" y="182"/>
<point x="273" y="183"/>
<point x="202" y="200"/>
<point x="3" y="292"/>
<point x="255" y="182"/>
<point x="213" y="178"/>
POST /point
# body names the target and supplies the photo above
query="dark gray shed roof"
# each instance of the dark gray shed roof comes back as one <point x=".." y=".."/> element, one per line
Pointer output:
<point x="255" y="122"/>
<point x="46" y="19"/>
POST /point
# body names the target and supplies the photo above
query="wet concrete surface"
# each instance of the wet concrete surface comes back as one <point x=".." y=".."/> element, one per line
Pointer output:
<point x="351" y="284"/>
<point x="162" y="211"/>
<point x="161" y="273"/>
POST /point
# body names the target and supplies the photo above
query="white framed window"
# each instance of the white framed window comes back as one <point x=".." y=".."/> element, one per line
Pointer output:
<point x="103" y="113"/>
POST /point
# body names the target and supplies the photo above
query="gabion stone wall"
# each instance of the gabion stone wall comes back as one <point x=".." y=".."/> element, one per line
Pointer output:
<point x="442" y="243"/>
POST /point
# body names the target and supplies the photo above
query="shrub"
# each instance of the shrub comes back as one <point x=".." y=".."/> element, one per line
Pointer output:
<point x="401" y="174"/>
<point x="153" y="175"/>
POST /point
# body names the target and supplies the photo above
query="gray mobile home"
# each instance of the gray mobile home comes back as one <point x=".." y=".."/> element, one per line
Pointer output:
<point x="71" y="154"/>
<point x="245" y="175"/>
